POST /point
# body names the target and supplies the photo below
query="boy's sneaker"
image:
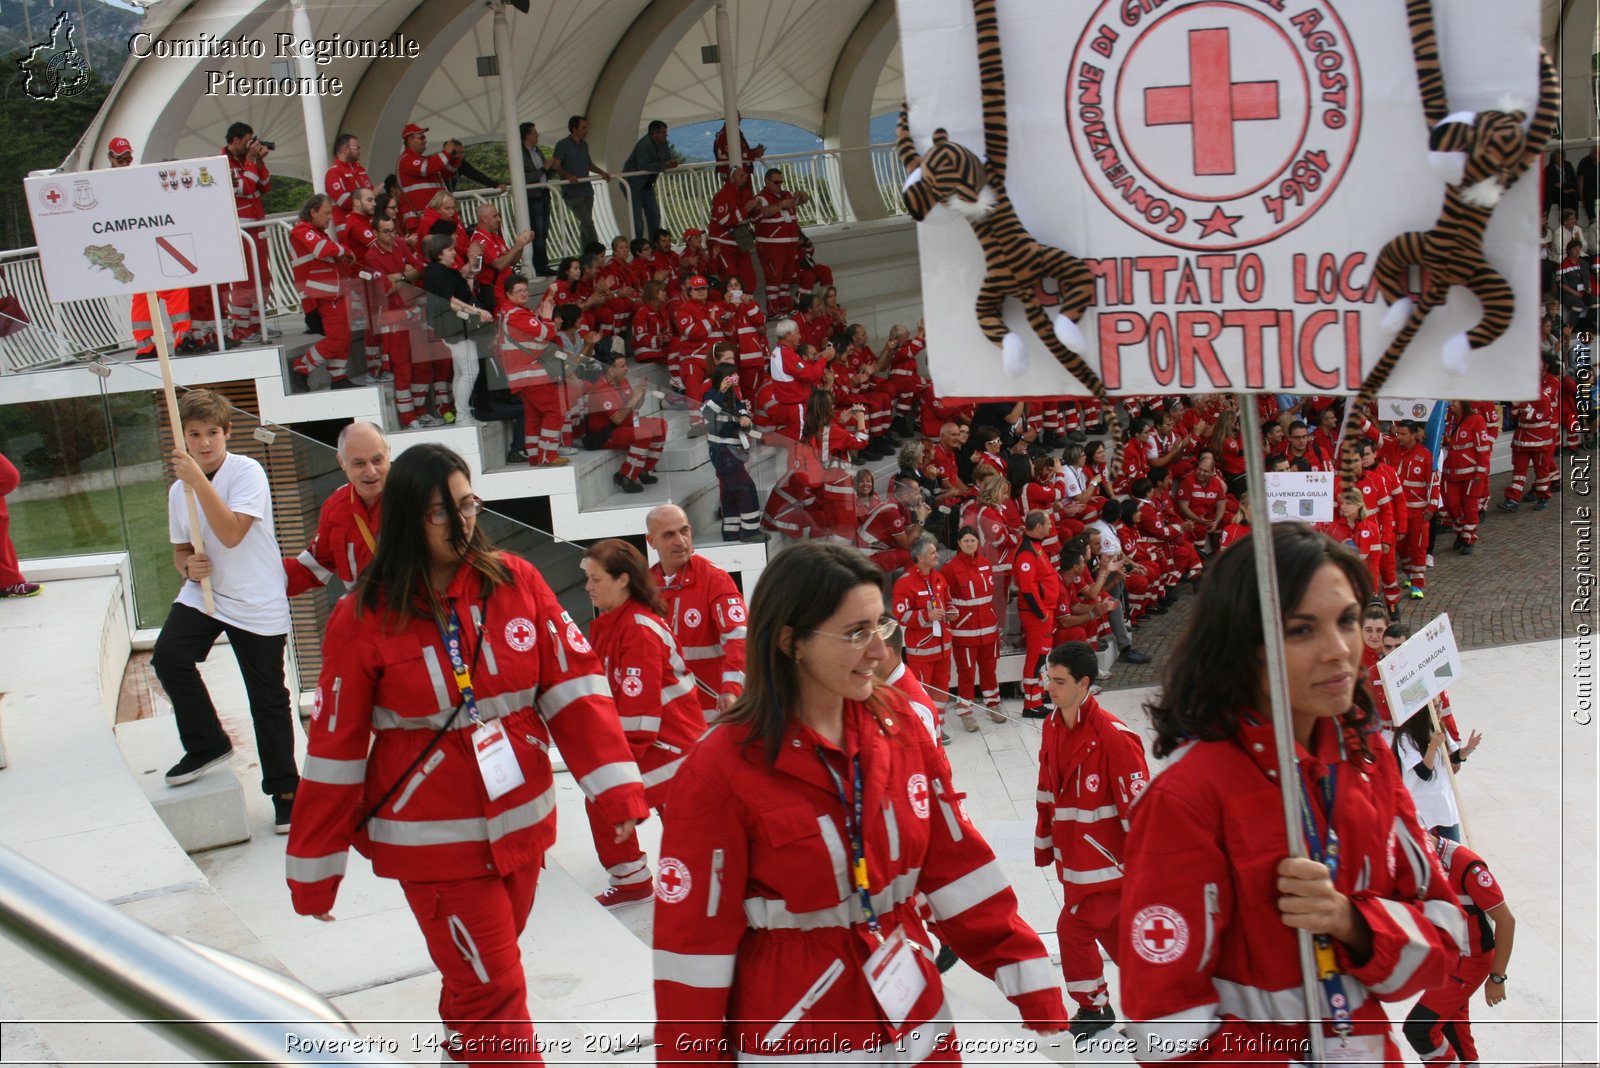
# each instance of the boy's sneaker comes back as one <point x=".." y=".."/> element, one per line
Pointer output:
<point x="969" y="722"/>
<point x="192" y="766"/>
<point x="617" y="896"/>
<point x="21" y="589"/>
<point x="282" y="807"/>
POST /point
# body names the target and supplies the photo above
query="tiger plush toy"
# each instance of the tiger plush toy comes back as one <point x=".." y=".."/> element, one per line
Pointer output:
<point x="1015" y="261"/>
<point x="1497" y="152"/>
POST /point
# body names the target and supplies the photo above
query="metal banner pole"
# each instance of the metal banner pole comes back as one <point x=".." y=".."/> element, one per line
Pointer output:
<point x="1278" y="692"/>
<point x="196" y="536"/>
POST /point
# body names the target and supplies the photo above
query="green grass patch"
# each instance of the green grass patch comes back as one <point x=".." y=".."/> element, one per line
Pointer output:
<point x="91" y="522"/>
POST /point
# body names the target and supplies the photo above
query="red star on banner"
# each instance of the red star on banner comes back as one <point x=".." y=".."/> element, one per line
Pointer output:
<point x="1218" y="223"/>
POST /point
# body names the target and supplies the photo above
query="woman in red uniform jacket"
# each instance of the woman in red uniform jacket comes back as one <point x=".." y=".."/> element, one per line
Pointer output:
<point x="975" y="630"/>
<point x="816" y="782"/>
<point x="654" y="693"/>
<point x="455" y="797"/>
<point x="922" y="606"/>
<point x="1466" y="472"/>
<point x="1210" y="899"/>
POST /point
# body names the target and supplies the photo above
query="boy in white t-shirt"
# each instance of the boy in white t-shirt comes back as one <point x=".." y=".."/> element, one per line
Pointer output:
<point x="249" y="592"/>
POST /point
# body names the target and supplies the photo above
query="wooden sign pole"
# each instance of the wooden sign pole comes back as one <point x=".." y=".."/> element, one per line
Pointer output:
<point x="196" y="535"/>
<point x="1450" y="772"/>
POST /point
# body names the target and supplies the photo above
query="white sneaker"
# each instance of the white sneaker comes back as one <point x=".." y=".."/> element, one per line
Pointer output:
<point x="427" y="421"/>
<point x="1430" y="559"/>
<point x="567" y="450"/>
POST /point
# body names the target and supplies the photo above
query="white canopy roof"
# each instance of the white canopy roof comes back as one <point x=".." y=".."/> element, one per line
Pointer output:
<point x="623" y="62"/>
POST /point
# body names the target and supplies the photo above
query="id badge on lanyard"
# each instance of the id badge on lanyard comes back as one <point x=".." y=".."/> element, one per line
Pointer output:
<point x="1332" y="981"/>
<point x="491" y="746"/>
<point x="892" y="971"/>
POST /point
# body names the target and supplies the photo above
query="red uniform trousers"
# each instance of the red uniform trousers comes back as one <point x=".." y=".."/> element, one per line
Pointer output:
<point x="731" y="261"/>
<point x="1388" y="570"/>
<point x="625" y="861"/>
<point x="785" y="420"/>
<point x="395" y="336"/>
<point x="1543" y="462"/>
<point x="472" y="926"/>
<point x="975" y="664"/>
<point x="778" y="270"/>
<point x="333" y="351"/>
<point x="1083" y="931"/>
<point x="244" y="311"/>
<point x="1461" y="502"/>
<point x="1440" y="1026"/>
<point x="1413" y="548"/>
<point x="1036" y="637"/>
<point x="932" y="669"/>
<point x="544" y="413"/>
<point x="10" y="571"/>
<point x="177" y="302"/>
<point x="644" y="441"/>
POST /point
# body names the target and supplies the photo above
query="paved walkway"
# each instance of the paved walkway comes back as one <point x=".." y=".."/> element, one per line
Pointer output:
<point x="1507" y="593"/>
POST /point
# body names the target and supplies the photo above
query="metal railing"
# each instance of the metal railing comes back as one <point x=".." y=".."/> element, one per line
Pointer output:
<point x="74" y="328"/>
<point x="216" y="1007"/>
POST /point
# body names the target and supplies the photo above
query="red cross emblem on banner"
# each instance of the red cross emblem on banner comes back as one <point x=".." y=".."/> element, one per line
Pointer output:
<point x="1212" y="102"/>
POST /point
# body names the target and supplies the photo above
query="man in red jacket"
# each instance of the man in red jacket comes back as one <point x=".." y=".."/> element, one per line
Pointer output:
<point x="777" y="226"/>
<point x="1038" y="590"/>
<point x="1413" y="464"/>
<point x="793" y="378"/>
<point x="1466" y="472"/>
<point x="705" y="610"/>
<point x="730" y="209"/>
<point x="247" y="171"/>
<point x="347" y="529"/>
<point x="1091" y="768"/>
<point x="344" y="177"/>
<point x="1534" y="443"/>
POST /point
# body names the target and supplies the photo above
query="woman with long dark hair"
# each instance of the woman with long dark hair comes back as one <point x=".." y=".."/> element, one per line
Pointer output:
<point x="799" y="831"/>
<point x="655" y="698"/>
<point x="456" y="665"/>
<point x="1210" y="901"/>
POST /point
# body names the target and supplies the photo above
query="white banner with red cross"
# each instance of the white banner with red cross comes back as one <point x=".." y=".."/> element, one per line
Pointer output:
<point x="1228" y="170"/>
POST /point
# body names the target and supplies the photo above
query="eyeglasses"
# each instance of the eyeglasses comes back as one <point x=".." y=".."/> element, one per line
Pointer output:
<point x="439" y="515"/>
<point x="861" y="637"/>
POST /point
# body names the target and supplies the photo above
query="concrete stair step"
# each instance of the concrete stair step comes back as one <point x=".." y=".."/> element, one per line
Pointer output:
<point x="201" y="815"/>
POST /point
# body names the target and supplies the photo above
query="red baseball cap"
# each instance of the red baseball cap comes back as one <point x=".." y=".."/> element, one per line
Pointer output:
<point x="697" y="282"/>
<point x="120" y="146"/>
<point x="412" y="128"/>
<point x="687" y="234"/>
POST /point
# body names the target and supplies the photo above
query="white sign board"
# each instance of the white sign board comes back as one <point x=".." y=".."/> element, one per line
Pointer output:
<point x="1421" y="669"/>
<point x="1393" y="408"/>
<point x="1303" y="496"/>
<point x="136" y="229"/>
<point x="1228" y="173"/>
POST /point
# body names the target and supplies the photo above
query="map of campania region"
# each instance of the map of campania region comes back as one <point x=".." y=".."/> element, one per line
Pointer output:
<point x="108" y="258"/>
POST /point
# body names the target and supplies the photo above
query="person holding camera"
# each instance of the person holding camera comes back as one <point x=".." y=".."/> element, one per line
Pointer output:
<point x="421" y="177"/>
<point x="793" y="378"/>
<point x="247" y="171"/>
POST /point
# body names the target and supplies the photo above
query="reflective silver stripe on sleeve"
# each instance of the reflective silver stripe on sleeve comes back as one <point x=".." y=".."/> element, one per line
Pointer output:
<point x="735" y="677"/>
<point x="315" y="869"/>
<point x="606" y="776"/>
<point x="1412" y="954"/>
<point x="1269" y="1006"/>
<point x="441" y="692"/>
<point x="662" y="774"/>
<point x="701" y="652"/>
<point x="1025" y="976"/>
<point x="641" y="723"/>
<point x="734" y="635"/>
<point x="708" y="971"/>
<point x="335" y="772"/>
<point x="1174" y="1036"/>
<point x="1045" y="797"/>
<point x="1044" y="842"/>
<point x="1448" y="919"/>
<point x="684" y="685"/>
<point x="322" y="574"/>
<point x="773" y="915"/>
<point x="555" y="700"/>
<point x="1086" y="815"/>
<point x="973" y="888"/>
<point x="1089" y="876"/>
<point x="835" y="844"/>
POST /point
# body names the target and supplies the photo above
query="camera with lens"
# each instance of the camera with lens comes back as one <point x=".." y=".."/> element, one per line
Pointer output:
<point x="270" y="146"/>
